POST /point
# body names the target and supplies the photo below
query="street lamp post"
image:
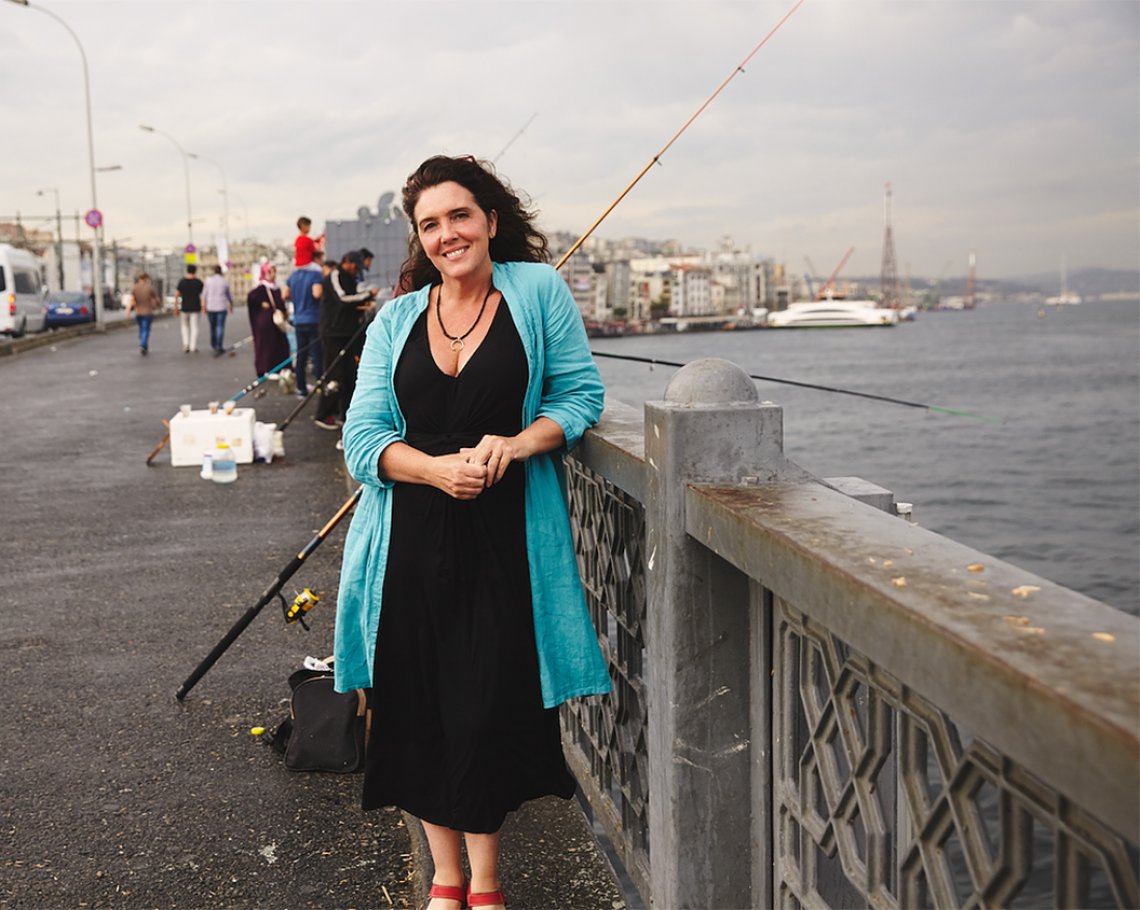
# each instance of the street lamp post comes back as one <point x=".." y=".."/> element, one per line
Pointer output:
<point x="186" y="168"/>
<point x="115" y="269"/>
<point x="115" y="260"/>
<point x="96" y="252"/>
<point x="244" y="216"/>
<point x="58" y="233"/>
<point x="225" y="197"/>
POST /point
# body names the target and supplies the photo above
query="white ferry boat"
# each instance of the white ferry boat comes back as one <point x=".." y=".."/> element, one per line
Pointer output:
<point x="832" y="314"/>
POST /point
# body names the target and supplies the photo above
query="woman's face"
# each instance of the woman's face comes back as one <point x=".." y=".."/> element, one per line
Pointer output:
<point x="454" y="231"/>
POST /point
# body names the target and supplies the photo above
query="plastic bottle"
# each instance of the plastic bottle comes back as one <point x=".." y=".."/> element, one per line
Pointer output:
<point x="225" y="467"/>
<point x="207" y="466"/>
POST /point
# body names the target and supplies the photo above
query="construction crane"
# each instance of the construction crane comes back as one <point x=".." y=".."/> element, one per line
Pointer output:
<point x="827" y="288"/>
<point x="808" y="276"/>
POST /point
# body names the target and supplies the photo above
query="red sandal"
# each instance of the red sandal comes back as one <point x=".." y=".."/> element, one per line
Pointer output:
<point x="449" y="893"/>
<point x="485" y="898"/>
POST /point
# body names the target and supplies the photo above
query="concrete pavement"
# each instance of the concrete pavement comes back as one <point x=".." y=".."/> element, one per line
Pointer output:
<point x="118" y="579"/>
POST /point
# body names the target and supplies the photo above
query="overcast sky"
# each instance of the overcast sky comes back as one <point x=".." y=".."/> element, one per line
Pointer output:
<point x="1010" y="128"/>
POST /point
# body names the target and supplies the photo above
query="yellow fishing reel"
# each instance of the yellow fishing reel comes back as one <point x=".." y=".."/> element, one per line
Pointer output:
<point x="302" y="604"/>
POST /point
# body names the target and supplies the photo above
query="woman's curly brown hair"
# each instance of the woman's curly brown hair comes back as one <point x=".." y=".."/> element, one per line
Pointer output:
<point x="516" y="237"/>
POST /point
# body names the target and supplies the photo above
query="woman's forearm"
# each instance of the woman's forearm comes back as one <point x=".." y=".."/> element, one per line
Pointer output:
<point x="544" y="435"/>
<point x="453" y="474"/>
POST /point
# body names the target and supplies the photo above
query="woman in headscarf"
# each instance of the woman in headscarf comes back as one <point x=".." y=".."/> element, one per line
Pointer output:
<point x="270" y="344"/>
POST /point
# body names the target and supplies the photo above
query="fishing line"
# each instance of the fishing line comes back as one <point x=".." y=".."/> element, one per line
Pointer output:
<point x="514" y="137"/>
<point x="656" y="159"/>
<point x="810" y="385"/>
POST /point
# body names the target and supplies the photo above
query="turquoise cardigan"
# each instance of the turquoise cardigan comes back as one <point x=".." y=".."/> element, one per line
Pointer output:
<point x="564" y="385"/>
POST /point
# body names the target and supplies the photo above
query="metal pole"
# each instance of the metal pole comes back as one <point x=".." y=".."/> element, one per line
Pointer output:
<point x="96" y="251"/>
<point x="186" y="169"/>
<point x="225" y="197"/>
<point x="58" y="233"/>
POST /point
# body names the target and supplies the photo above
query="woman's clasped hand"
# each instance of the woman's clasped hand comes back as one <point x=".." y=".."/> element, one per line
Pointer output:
<point x="495" y="454"/>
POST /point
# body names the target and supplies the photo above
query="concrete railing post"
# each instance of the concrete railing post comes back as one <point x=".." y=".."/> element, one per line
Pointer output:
<point x="711" y="428"/>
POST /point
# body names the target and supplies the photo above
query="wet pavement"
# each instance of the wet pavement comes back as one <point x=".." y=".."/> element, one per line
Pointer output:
<point x="118" y="579"/>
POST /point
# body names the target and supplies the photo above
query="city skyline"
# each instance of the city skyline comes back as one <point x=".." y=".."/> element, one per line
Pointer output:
<point x="1010" y="129"/>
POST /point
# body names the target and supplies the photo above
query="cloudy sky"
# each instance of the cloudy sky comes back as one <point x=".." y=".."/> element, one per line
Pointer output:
<point x="1010" y="128"/>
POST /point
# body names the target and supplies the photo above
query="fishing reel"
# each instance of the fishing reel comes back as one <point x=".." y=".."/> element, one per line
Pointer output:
<point x="302" y="604"/>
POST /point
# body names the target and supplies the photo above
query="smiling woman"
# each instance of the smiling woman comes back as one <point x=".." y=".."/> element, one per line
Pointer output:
<point x="470" y="389"/>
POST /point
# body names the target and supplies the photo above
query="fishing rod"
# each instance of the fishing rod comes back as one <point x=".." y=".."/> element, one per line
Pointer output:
<point x="656" y="159"/>
<point x="271" y="371"/>
<point x="810" y="385"/>
<point x="320" y="383"/>
<point x="272" y="591"/>
<point x="233" y="349"/>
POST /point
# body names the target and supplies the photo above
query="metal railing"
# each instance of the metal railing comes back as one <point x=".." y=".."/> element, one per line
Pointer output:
<point x="817" y="703"/>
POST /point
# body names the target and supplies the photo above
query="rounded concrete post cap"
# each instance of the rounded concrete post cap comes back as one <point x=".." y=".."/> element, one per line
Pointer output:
<point x="711" y="381"/>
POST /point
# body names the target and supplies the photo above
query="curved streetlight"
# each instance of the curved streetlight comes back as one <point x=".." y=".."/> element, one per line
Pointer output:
<point x="186" y="167"/>
<point x="225" y="196"/>
<point x="96" y="251"/>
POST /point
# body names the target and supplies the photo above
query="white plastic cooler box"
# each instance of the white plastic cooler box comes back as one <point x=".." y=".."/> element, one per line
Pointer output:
<point x="199" y="432"/>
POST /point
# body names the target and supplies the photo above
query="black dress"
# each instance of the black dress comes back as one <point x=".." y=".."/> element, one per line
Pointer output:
<point x="459" y="734"/>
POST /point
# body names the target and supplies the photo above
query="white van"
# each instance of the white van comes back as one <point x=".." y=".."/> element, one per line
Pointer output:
<point x="22" y="292"/>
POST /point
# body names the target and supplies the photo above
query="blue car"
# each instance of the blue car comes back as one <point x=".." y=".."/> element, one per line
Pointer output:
<point x="67" y="308"/>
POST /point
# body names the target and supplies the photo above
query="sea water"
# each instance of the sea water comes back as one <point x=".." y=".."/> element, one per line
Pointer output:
<point x="1051" y="483"/>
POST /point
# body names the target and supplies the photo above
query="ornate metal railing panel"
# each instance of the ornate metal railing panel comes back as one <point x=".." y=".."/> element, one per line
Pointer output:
<point x="919" y="720"/>
<point x="606" y="736"/>
<point x="882" y="800"/>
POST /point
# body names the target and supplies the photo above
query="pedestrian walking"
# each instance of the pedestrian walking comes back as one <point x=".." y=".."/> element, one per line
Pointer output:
<point x="270" y="345"/>
<point x="460" y="600"/>
<point x="306" y="320"/>
<point x="219" y="302"/>
<point x="187" y="307"/>
<point x="343" y="307"/>
<point x="144" y="302"/>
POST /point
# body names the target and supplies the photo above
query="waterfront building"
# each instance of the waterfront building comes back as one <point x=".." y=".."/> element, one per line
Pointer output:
<point x="691" y="291"/>
<point x="618" y="291"/>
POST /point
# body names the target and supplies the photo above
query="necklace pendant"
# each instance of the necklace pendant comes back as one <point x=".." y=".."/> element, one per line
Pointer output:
<point x="456" y="344"/>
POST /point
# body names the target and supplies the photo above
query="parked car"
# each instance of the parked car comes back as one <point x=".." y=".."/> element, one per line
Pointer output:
<point x="21" y="292"/>
<point x="67" y="308"/>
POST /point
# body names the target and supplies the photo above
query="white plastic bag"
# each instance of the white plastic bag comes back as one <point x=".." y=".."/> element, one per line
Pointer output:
<point x="263" y="441"/>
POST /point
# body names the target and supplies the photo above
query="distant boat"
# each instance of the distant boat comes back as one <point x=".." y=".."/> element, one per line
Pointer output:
<point x="1066" y="297"/>
<point x="832" y="314"/>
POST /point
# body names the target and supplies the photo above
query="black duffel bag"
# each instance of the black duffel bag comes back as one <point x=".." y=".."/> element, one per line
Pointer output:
<point x="325" y="730"/>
